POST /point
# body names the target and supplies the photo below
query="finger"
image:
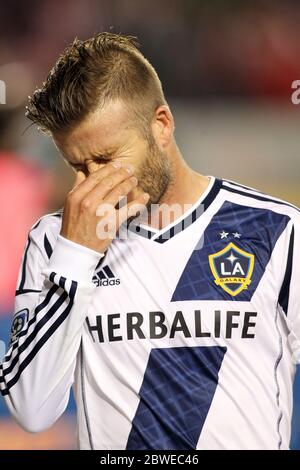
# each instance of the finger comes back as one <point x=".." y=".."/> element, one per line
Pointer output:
<point x="121" y="190"/>
<point x="139" y="205"/>
<point x="94" y="178"/>
<point x="80" y="177"/>
<point x="112" y="219"/>
<point x="105" y="186"/>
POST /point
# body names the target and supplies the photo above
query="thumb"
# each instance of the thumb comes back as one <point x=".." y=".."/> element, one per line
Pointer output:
<point x="80" y="177"/>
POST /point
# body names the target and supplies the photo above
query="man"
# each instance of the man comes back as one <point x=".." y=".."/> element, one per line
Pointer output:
<point x="175" y="335"/>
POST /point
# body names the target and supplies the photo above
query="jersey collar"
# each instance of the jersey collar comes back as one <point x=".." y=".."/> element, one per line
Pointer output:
<point x="201" y="205"/>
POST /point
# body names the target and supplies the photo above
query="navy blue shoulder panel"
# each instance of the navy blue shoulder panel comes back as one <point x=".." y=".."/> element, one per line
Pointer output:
<point x="283" y="299"/>
<point x="235" y="250"/>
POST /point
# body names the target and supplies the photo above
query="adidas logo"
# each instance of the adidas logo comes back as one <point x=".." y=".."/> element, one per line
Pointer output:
<point x="105" y="277"/>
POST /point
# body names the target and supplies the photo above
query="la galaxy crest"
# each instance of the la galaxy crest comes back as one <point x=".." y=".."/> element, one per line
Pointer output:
<point x="232" y="268"/>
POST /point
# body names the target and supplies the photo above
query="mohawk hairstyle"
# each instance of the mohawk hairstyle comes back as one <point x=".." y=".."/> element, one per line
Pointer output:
<point x="91" y="73"/>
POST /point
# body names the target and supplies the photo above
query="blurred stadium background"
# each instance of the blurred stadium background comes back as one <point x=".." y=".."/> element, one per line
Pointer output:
<point x="226" y="67"/>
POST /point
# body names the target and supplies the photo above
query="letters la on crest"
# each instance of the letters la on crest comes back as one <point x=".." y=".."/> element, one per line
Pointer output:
<point x="232" y="268"/>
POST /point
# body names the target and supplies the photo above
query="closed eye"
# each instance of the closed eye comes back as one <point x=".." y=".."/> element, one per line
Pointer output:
<point x="102" y="159"/>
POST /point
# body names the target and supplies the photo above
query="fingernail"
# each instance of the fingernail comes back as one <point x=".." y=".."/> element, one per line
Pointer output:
<point x="117" y="164"/>
<point x="129" y="169"/>
<point x="134" y="179"/>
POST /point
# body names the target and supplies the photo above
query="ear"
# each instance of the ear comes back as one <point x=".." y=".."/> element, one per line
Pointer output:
<point x="163" y="126"/>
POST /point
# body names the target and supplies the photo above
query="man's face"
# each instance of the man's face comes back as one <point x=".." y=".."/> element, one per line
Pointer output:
<point x="109" y="135"/>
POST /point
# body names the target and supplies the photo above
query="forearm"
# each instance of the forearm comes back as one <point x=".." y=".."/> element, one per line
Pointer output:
<point x="37" y="372"/>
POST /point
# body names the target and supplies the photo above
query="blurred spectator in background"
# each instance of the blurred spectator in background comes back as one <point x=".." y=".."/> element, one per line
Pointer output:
<point x="24" y="194"/>
<point x="25" y="190"/>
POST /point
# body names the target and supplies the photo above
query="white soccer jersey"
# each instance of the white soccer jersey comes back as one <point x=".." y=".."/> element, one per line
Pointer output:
<point x="182" y="338"/>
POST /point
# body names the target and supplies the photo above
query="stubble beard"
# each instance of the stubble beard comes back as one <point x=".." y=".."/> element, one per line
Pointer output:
<point x="155" y="177"/>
